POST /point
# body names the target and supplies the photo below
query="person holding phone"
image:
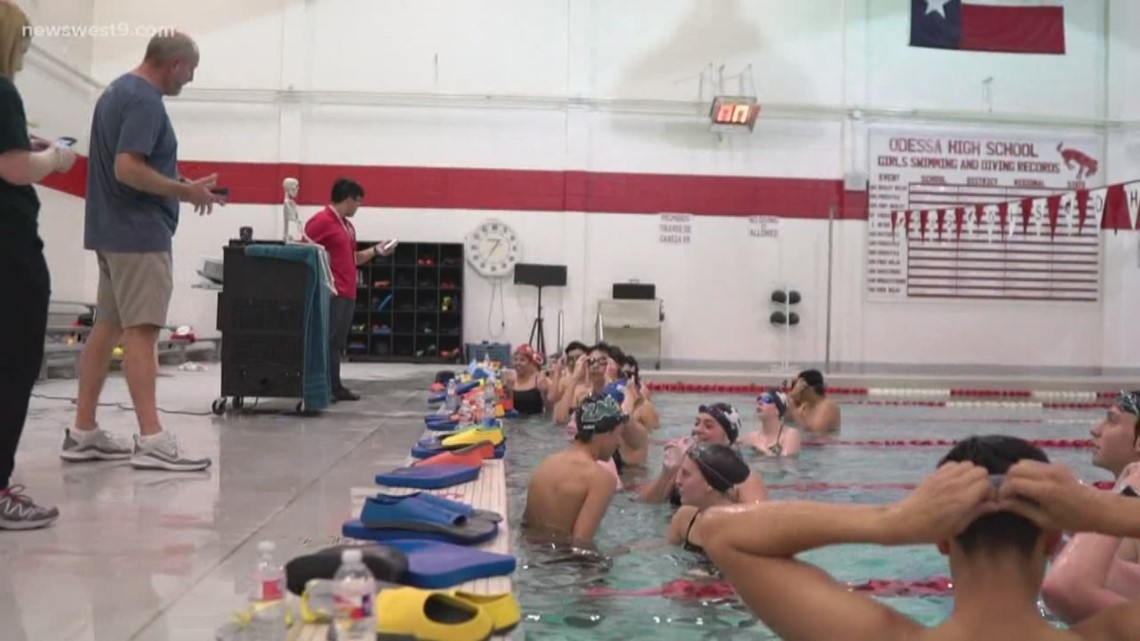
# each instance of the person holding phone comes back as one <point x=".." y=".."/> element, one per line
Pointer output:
<point x="332" y="229"/>
<point x="23" y="326"/>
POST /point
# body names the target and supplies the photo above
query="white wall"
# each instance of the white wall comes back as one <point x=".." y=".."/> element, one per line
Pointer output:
<point x="58" y="102"/>
<point x="630" y="76"/>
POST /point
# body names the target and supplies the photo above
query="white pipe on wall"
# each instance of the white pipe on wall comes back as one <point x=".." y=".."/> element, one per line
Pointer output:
<point x="781" y="111"/>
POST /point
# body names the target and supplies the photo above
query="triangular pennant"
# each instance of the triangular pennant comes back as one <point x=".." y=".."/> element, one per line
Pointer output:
<point x="894" y="222"/>
<point x="1132" y="190"/>
<point x="1097" y="204"/>
<point x="1026" y="213"/>
<point x="941" y="221"/>
<point x="1082" y="209"/>
<point x="959" y="216"/>
<point x="1003" y="216"/>
<point x="1053" y="203"/>
<point x="1115" y="208"/>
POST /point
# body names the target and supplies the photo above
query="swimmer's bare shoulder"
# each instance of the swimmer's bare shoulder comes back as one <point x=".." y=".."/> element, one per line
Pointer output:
<point x="557" y="491"/>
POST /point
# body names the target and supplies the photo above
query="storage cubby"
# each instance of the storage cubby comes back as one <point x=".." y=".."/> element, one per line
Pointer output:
<point x="409" y="305"/>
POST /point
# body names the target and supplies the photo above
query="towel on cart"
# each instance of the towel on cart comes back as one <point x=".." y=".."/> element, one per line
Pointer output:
<point x="317" y="386"/>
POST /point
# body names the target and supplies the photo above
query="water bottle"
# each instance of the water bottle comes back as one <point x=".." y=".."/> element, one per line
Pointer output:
<point x="452" y="397"/>
<point x="465" y="412"/>
<point x="354" y="594"/>
<point x="267" y="599"/>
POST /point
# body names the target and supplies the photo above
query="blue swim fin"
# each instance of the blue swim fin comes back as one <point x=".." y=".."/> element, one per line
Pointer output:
<point x="433" y="565"/>
<point x="429" y="477"/>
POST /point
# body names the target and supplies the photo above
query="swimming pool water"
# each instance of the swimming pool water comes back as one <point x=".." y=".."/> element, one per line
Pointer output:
<point x="555" y="588"/>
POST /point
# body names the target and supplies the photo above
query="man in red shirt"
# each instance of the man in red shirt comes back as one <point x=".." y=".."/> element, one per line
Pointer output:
<point x="332" y="229"/>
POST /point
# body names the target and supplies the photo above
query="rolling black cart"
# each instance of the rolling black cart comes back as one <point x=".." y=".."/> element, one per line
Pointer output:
<point x="262" y="312"/>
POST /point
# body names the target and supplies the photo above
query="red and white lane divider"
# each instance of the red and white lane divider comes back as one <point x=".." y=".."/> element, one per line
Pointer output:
<point x="819" y="486"/>
<point x="950" y="398"/>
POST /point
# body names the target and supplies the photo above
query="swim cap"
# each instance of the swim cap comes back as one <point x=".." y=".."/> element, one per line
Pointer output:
<point x="726" y="415"/>
<point x="720" y="465"/>
<point x="598" y="414"/>
<point x="1128" y="402"/>
<point x="616" y="391"/>
<point x="527" y="352"/>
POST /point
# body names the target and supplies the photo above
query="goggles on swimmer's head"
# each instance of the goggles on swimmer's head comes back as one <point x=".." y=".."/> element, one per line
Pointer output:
<point x="1128" y="402"/>
<point x="696" y="451"/>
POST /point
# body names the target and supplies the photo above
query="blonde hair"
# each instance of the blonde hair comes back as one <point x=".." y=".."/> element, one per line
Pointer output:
<point x="14" y="30"/>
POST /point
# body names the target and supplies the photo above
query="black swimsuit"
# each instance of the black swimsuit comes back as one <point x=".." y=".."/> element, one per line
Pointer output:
<point x="529" y="401"/>
<point x="690" y="546"/>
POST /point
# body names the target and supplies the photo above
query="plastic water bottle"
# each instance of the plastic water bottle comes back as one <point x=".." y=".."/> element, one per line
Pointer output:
<point x="354" y="594"/>
<point x="465" y="412"/>
<point x="267" y="599"/>
<point x="452" y="402"/>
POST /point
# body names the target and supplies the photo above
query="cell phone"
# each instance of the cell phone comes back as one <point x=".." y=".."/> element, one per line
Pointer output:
<point x="221" y="191"/>
<point x="390" y="244"/>
<point x="65" y="141"/>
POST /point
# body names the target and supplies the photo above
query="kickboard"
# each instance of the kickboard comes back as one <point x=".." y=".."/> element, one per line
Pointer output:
<point x="442" y="425"/>
<point x="356" y="529"/>
<point x="463" y="388"/>
<point x="429" y="477"/>
<point x="433" y="565"/>
<point x="419" y="451"/>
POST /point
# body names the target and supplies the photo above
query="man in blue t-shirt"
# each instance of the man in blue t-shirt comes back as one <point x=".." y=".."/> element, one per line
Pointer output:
<point x="133" y="196"/>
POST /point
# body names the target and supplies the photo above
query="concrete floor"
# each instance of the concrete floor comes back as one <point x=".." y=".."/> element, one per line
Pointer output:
<point x="162" y="556"/>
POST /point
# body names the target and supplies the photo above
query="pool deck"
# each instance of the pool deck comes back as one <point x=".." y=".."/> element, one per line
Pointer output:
<point x="488" y="492"/>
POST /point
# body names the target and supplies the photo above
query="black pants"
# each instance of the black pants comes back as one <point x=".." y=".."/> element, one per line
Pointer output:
<point x="340" y="320"/>
<point x="26" y="286"/>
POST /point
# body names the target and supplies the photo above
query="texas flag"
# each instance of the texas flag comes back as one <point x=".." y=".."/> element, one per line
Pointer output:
<point x="1009" y="26"/>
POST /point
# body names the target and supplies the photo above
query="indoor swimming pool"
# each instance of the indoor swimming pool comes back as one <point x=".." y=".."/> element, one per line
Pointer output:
<point x="631" y="589"/>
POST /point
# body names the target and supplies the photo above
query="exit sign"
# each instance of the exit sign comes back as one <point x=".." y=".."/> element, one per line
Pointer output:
<point x="734" y="113"/>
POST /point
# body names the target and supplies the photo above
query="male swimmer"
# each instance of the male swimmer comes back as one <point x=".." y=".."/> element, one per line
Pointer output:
<point x="1093" y="571"/>
<point x="569" y="493"/>
<point x="996" y="532"/>
<point x="810" y="408"/>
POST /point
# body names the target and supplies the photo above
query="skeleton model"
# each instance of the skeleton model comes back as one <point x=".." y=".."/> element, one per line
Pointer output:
<point x="292" y="186"/>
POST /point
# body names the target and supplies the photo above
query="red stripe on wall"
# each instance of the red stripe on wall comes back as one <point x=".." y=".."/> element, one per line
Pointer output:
<point x="523" y="190"/>
<point x="1013" y="29"/>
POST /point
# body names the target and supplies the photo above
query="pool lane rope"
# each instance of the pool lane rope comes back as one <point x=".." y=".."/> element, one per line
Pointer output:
<point x="690" y="589"/>
<point x="932" y="397"/>
<point x="1045" y="443"/>
<point x="819" y="486"/>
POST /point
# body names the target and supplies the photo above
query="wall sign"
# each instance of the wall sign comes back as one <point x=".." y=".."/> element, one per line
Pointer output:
<point x="957" y="242"/>
<point x="675" y="229"/>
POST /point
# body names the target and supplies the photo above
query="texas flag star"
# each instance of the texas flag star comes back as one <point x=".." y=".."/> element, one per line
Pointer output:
<point x="936" y="6"/>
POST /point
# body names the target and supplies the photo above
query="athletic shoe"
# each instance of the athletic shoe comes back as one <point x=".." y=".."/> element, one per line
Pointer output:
<point x="163" y="453"/>
<point x="97" y="445"/>
<point x="19" y="512"/>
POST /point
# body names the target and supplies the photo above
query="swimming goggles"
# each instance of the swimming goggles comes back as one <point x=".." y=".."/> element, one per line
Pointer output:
<point x="766" y="399"/>
<point x="695" y="452"/>
<point x="1129" y="402"/>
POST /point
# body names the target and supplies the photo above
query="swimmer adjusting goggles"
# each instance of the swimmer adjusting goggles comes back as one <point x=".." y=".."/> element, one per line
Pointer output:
<point x="695" y="452"/>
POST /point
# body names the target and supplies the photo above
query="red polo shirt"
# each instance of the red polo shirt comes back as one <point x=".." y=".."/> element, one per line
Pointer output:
<point x="338" y="237"/>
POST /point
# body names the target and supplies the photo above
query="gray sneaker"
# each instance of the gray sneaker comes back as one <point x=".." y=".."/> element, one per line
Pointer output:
<point x="19" y="512"/>
<point x="98" y="445"/>
<point x="165" y="454"/>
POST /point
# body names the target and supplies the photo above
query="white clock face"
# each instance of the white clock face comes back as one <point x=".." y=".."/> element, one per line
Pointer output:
<point x="493" y="248"/>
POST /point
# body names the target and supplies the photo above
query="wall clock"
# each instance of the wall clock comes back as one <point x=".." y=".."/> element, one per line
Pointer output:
<point x="493" y="248"/>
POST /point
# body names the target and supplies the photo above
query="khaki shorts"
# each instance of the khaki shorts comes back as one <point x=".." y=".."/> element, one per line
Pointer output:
<point x="134" y="289"/>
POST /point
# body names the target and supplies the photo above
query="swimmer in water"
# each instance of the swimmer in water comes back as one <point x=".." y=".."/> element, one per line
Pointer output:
<point x="589" y="377"/>
<point x="774" y="438"/>
<point x="526" y="382"/>
<point x="569" y="493"/>
<point x="995" y="507"/>
<point x="562" y="371"/>
<point x="716" y="423"/>
<point x="706" y="475"/>
<point x="1093" y="572"/>
<point x="810" y="408"/>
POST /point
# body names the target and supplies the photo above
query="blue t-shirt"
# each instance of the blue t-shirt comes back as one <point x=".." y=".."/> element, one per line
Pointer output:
<point x="130" y="117"/>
